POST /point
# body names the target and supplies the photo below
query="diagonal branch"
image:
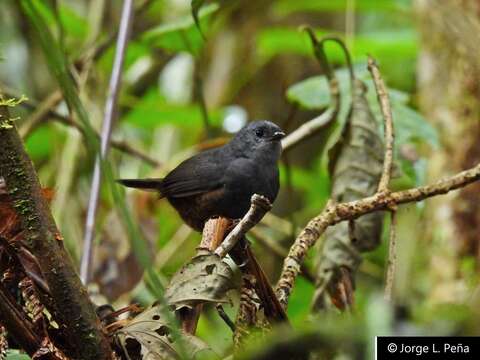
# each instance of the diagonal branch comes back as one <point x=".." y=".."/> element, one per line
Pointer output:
<point x="258" y="208"/>
<point x="336" y="213"/>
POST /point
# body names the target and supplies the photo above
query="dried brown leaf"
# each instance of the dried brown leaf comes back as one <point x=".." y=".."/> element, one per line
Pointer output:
<point x="355" y="167"/>
<point x="149" y="336"/>
<point x="206" y="278"/>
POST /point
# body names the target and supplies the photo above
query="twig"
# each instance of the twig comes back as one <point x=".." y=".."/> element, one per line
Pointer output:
<point x="311" y="127"/>
<point x="388" y="124"/>
<point x="259" y="206"/>
<point x="15" y="322"/>
<point x="336" y="213"/>
<point x="225" y="317"/>
<point x="389" y="136"/>
<point x="109" y="119"/>
<point x="392" y="258"/>
<point x="40" y="113"/>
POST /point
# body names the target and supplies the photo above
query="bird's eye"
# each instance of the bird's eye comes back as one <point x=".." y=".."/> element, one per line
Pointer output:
<point x="259" y="133"/>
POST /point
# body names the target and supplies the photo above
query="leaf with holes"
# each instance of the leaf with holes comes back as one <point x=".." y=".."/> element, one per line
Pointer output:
<point x="206" y="278"/>
<point x="149" y="336"/>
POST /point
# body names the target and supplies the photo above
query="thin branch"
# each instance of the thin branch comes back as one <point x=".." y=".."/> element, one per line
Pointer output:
<point x="388" y="124"/>
<point x="109" y="119"/>
<point x="15" y="322"/>
<point x="392" y="258"/>
<point x="260" y="205"/>
<point x="225" y="317"/>
<point x="41" y="112"/>
<point x="336" y="213"/>
<point x="311" y="127"/>
<point x="389" y="135"/>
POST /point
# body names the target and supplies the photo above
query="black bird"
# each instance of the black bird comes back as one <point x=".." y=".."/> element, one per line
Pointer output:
<point x="221" y="181"/>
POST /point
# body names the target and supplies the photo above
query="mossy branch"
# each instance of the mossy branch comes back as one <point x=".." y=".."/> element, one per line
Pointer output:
<point x="72" y="304"/>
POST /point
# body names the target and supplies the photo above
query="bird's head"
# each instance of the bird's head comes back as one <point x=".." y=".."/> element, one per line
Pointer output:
<point x="259" y="138"/>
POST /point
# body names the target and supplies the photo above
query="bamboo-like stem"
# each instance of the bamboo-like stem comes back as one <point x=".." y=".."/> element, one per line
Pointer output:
<point x="109" y="119"/>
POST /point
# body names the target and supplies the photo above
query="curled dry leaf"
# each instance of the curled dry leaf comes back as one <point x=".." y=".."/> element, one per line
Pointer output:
<point x="149" y="336"/>
<point x="355" y="167"/>
<point x="206" y="278"/>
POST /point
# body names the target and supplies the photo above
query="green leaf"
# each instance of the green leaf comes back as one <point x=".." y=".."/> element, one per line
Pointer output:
<point x="58" y="66"/>
<point x="182" y="34"/>
<point x="380" y="44"/>
<point x="152" y="111"/>
<point x="410" y="126"/>
<point x="43" y="142"/>
<point x="16" y="356"/>
<point x="286" y="7"/>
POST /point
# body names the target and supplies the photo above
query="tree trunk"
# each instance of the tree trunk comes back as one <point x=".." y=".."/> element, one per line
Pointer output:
<point x="75" y="312"/>
<point x="448" y="80"/>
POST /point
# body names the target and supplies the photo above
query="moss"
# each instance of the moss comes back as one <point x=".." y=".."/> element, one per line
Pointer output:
<point x="12" y="102"/>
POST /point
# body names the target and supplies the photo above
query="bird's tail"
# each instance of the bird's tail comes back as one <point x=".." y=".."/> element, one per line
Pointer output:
<point x="143" y="184"/>
<point x="272" y="307"/>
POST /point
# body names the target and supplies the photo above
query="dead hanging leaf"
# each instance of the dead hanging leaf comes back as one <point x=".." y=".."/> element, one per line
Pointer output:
<point x="149" y="336"/>
<point x="355" y="166"/>
<point x="206" y="278"/>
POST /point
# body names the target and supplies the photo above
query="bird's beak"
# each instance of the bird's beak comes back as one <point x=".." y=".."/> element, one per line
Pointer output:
<point x="278" y="135"/>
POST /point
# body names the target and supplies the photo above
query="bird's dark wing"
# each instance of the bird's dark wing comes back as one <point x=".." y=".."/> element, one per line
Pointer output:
<point x="199" y="174"/>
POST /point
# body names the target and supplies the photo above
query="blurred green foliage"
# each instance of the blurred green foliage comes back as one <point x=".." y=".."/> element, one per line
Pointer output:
<point x="254" y="56"/>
